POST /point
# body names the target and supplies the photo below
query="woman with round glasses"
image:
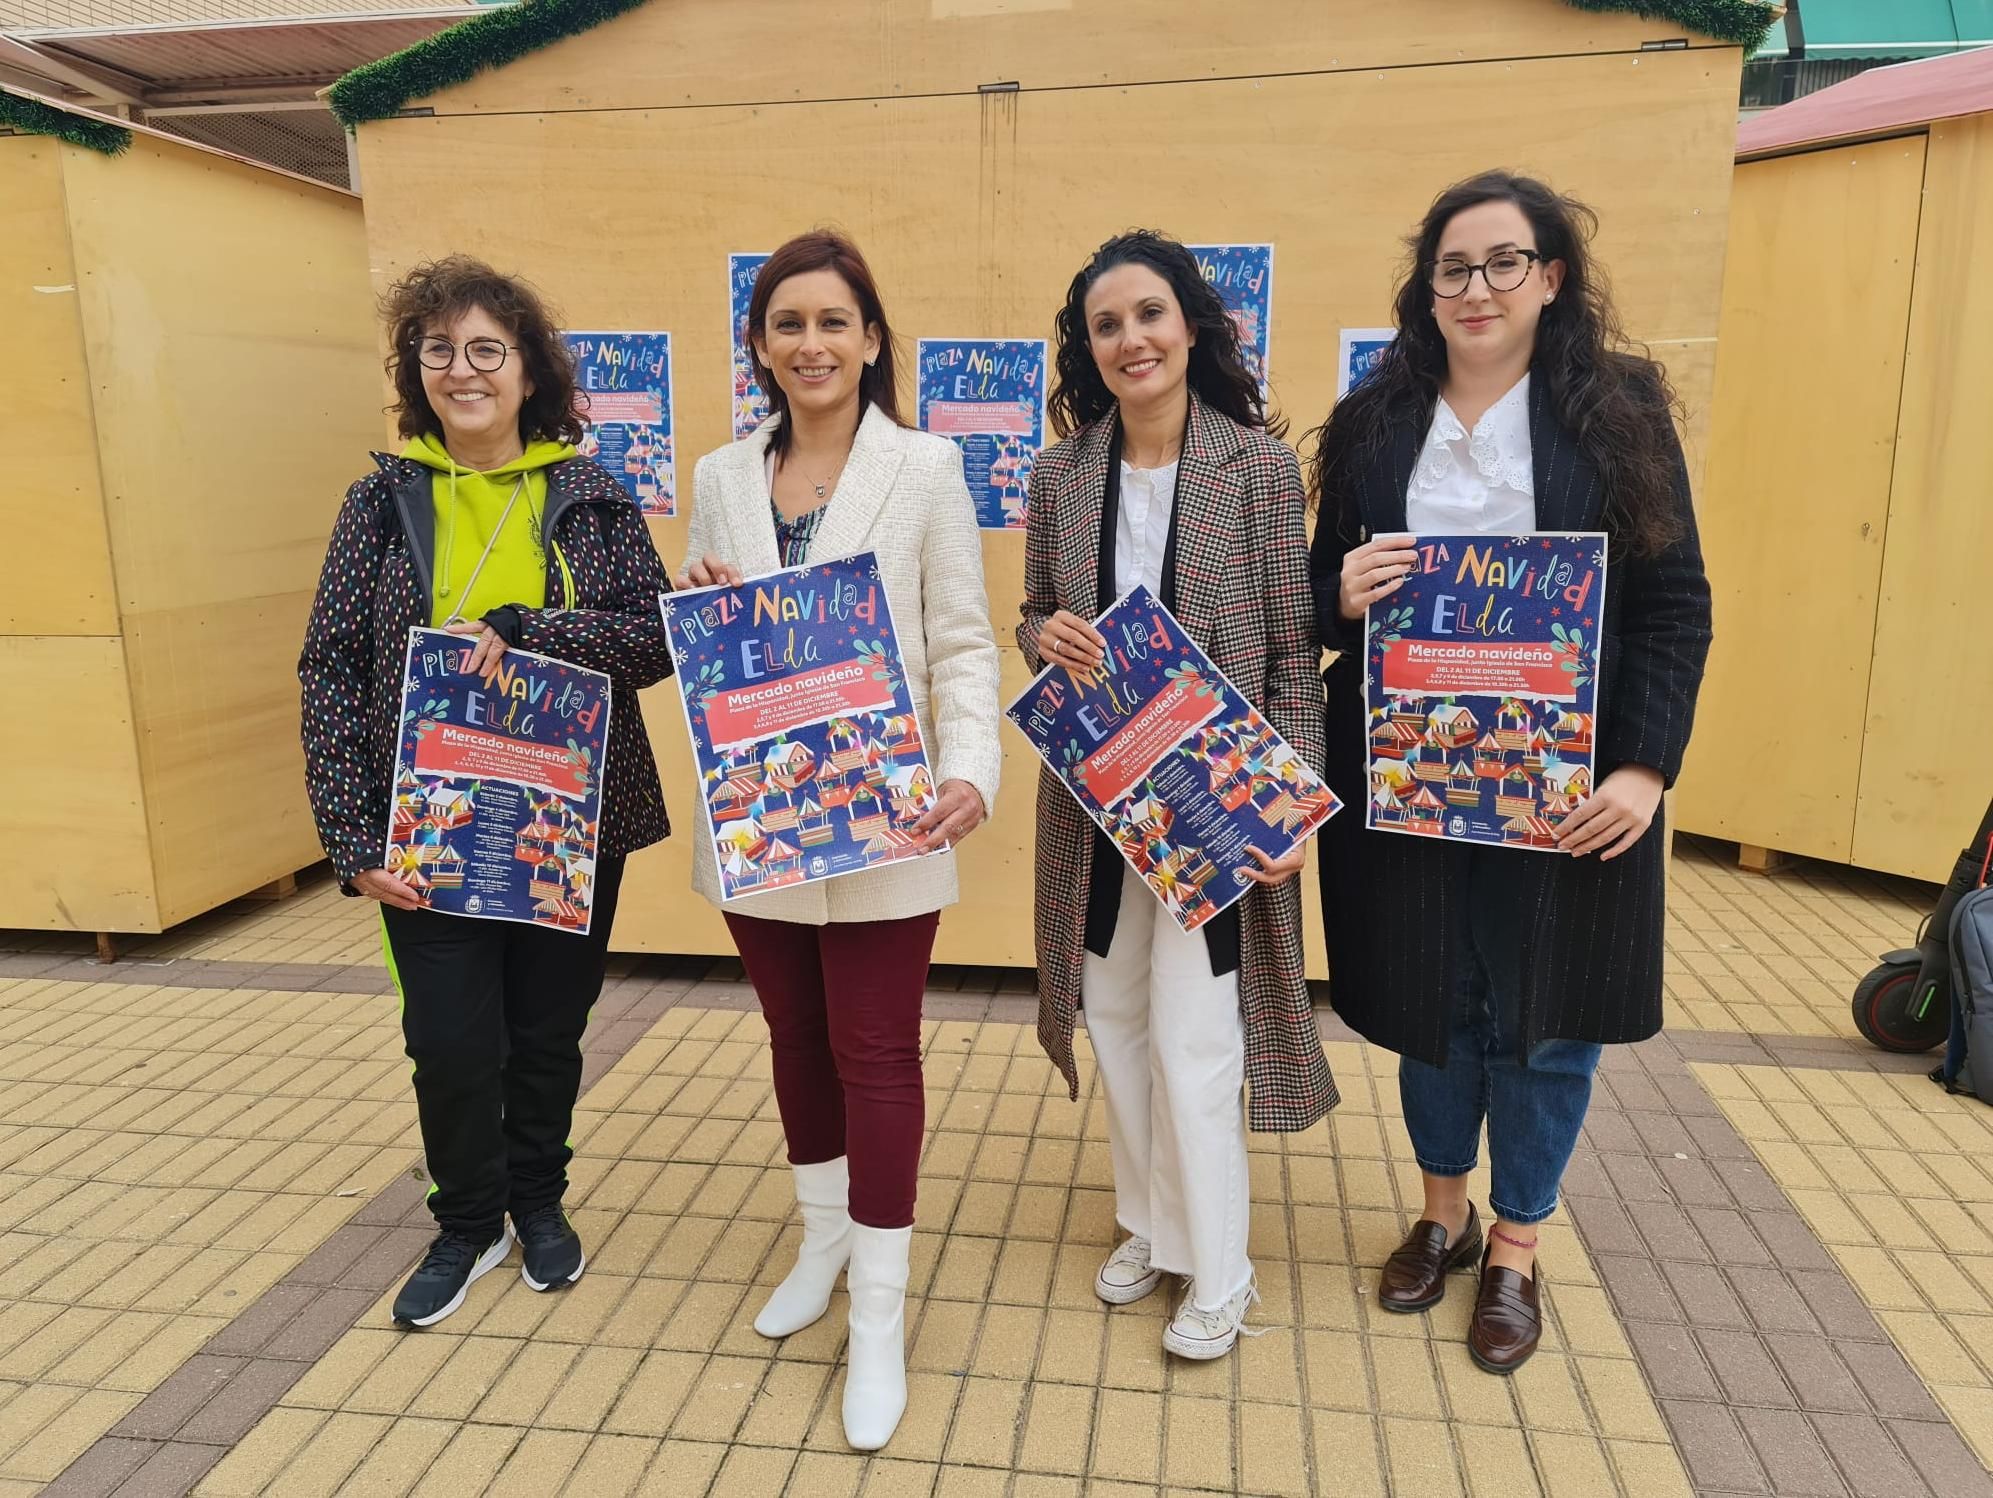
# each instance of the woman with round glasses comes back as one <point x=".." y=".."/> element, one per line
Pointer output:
<point x="488" y="525"/>
<point x="1509" y="402"/>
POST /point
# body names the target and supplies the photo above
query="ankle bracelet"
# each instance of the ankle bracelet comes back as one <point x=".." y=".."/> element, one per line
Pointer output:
<point x="1512" y="1242"/>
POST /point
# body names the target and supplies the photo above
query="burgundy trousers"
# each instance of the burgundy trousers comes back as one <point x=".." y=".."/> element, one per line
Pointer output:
<point x="842" y="1003"/>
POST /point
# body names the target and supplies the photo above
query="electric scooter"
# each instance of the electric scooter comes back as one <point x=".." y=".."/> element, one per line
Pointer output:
<point x="1904" y="1004"/>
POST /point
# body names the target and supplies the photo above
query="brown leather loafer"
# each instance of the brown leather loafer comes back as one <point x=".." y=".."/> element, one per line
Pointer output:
<point x="1507" y="1322"/>
<point x="1415" y="1274"/>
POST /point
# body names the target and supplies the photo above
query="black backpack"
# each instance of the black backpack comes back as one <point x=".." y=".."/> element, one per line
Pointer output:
<point x="1969" y="1054"/>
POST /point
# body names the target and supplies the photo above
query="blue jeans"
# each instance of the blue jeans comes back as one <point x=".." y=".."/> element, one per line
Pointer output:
<point x="1533" y="1106"/>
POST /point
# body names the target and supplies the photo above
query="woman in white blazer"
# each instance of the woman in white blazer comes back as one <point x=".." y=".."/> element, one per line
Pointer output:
<point x="840" y="965"/>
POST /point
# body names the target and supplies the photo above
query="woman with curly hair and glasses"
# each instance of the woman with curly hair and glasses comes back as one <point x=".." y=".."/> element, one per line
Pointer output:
<point x="1171" y="474"/>
<point x="1510" y="401"/>
<point x="488" y="525"/>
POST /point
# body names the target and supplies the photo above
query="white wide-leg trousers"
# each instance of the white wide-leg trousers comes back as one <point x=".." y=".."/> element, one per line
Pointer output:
<point x="1170" y="1046"/>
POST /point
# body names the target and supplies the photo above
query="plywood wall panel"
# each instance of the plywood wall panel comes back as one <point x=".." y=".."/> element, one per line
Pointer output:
<point x="1796" y="503"/>
<point x="1926" y="772"/>
<point x="229" y="330"/>
<point x="687" y="53"/>
<point x="52" y="506"/>
<point x="81" y="860"/>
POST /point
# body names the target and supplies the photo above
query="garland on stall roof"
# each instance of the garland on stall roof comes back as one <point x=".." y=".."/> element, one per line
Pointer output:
<point x="508" y="33"/>
<point x="499" y="36"/>
<point x="1746" y="22"/>
<point x="27" y="116"/>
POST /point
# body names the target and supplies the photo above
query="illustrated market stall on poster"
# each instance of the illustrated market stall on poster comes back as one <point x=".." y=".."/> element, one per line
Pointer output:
<point x="948" y="141"/>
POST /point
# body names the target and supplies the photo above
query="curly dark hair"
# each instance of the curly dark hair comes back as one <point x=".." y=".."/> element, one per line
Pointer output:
<point x="440" y="291"/>
<point x="1603" y="387"/>
<point x="823" y="249"/>
<point x="1217" y="372"/>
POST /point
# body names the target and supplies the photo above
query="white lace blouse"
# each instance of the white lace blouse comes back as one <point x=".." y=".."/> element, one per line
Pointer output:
<point x="1479" y="481"/>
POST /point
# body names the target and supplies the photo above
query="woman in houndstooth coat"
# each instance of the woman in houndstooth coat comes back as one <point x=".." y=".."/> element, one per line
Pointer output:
<point x="1169" y="475"/>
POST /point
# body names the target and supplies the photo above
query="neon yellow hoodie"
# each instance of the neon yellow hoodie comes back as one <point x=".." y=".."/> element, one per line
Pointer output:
<point x="469" y="506"/>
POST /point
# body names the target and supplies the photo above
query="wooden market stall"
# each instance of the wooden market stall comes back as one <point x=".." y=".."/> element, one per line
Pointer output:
<point x="1847" y="512"/>
<point x="978" y="151"/>
<point x="190" y="383"/>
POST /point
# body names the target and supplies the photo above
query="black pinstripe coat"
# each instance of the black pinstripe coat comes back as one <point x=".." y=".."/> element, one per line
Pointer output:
<point x="1238" y="551"/>
<point x="1592" y="934"/>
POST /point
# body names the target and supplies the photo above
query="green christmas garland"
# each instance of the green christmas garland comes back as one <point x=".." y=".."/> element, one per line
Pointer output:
<point x="492" y="40"/>
<point x="32" y="117"/>
<point x="450" y="57"/>
<point x="1745" y="22"/>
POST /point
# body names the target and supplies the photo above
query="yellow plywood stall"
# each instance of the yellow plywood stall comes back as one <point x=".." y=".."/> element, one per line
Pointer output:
<point x="190" y="340"/>
<point x="1926" y="769"/>
<point x="618" y="168"/>
<point x="1846" y="714"/>
<point x="1796" y="501"/>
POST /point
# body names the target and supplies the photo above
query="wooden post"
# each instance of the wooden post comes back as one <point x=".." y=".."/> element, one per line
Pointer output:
<point x="1755" y="860"/>
<point x="280" y="888"/>
<point x="107" y="947"/>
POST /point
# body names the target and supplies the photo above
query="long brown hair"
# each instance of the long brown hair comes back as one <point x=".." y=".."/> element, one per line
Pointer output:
<point x="823" y="249"/>
<point x="440" y="291"/>
<point x="1602" y="386"/>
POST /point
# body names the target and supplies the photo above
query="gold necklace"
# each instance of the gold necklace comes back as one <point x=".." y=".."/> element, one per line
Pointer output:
<point x="822" y="486"/>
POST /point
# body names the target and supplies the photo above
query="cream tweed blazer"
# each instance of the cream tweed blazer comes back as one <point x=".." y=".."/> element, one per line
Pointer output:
<point x="901" y="496"/>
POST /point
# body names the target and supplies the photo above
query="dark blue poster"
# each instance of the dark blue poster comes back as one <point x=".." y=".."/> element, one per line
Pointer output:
<point x="811" y="761"/>
<point x="626" y="381"/>
<point x="1242" y="274"/>
<point x="1482" y="688"/>
<point x="497" y="788"/>
<point x="1359" y="351"/>
<point x="750" y="406"/>
<point x="1171" y="762"/>
<point x="989" y="395"/>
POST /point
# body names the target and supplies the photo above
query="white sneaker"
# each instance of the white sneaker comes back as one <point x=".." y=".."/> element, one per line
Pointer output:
<point x="1201" y="1334"/>
<point x="1127" y="1275"/>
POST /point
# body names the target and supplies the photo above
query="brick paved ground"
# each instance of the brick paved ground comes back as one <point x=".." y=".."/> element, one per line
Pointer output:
<point x="1774" y="1273"/>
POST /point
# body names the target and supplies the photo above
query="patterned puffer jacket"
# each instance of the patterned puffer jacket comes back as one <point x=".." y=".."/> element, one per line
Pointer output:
<point x="378" y="582"/>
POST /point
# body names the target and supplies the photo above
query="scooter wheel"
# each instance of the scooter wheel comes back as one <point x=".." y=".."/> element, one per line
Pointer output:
<point x="1883" y="1011"/>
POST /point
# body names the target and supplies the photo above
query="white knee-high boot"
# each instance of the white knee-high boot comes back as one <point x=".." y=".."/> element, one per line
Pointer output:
<point x="875" y="1382"/>
<point x="823" y="1192"/>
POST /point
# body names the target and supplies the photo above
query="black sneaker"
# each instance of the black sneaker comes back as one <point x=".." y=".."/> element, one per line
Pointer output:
<point x="549" y="1247"/>
<point x="437" y="1287"/>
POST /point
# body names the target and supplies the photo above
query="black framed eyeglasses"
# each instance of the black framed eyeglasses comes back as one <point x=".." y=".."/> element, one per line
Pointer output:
<point x="485" y="355"/>
<point x="1504" y="271"/>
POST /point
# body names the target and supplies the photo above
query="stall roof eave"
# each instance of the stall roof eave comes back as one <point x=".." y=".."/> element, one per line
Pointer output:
<point x="180" y="141"/>
<point x="188" y="61"/>
<point x="1874" y="105"/>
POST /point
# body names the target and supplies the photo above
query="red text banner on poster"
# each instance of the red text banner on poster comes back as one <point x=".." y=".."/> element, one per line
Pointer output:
<point x="1117" y="766"/>
<point x="743" y="713"/>
<point x="968" y="419"/>
<point x="1506" y="667"/>
<point x="625" y="405"/>
<point x="452" y="750"/>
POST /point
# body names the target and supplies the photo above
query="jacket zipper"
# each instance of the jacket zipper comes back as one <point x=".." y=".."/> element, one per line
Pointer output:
<point x="567" y="577"/>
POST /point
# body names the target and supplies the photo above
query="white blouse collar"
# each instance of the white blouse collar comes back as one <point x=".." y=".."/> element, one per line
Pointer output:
<point x="1498" y="448"/>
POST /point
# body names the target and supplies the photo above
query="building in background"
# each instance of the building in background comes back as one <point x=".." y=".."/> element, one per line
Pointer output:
<point x="1823" y="42"/>
<point x="241" y="75"/>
